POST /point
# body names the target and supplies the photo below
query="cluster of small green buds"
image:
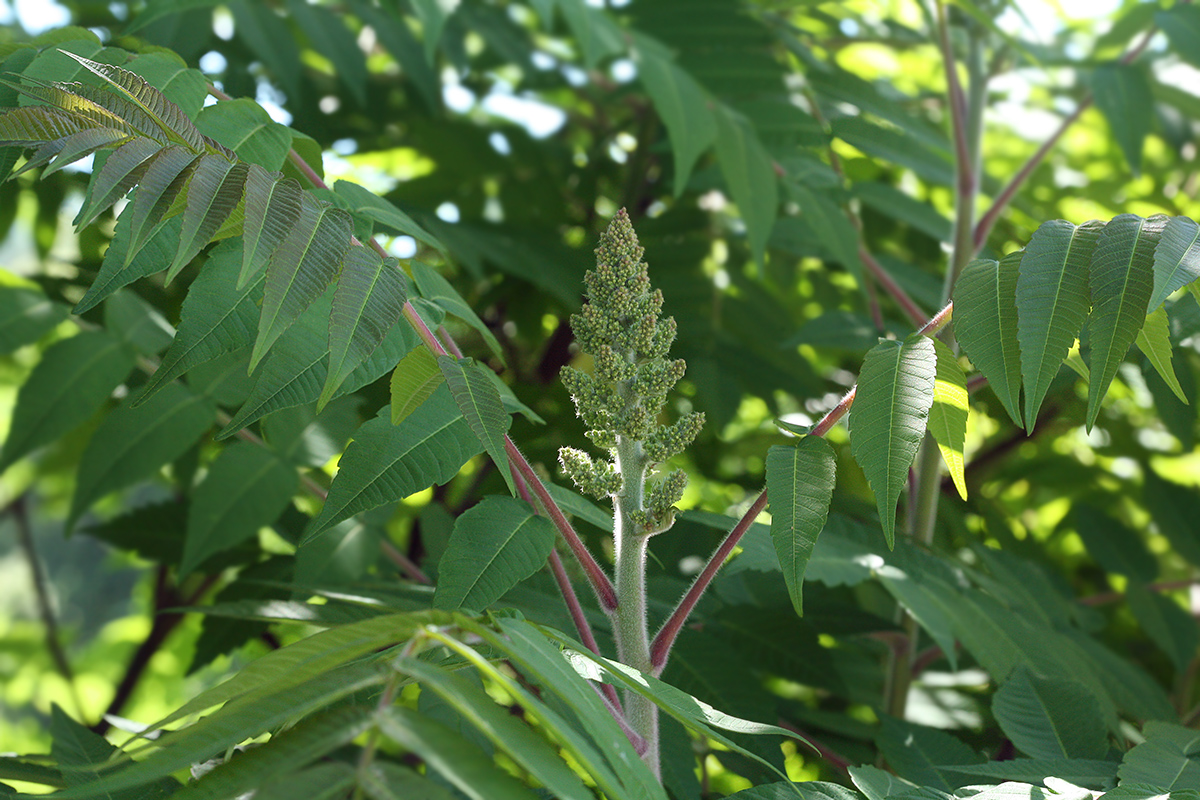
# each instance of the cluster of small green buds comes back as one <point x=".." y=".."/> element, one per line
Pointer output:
<point x="620" y="402"/>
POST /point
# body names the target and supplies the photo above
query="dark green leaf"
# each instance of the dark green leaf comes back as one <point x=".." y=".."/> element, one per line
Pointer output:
<point x="1050" y="717"/>
<point x="985" y="324"/>
<point x="480" y="404"/>
<point x="680" y="102"/>
<point x="749" y="175"/>
<point x="800" y="483"/>
<point x="1123" y="95"/>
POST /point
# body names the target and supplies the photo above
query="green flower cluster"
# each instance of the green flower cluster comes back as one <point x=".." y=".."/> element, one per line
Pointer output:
<point x="620" y="402"/>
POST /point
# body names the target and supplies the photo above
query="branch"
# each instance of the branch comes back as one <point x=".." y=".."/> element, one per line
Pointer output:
<point x="958" y="107"/>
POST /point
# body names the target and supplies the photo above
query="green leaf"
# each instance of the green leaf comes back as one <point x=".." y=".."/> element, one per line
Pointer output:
<point x="1154" y="340"/>
<point x="325" y="781"/>
<point x="595" y="32"/>
<point x="480" y="404"/>
<point x="263" y="767"/>
<point x="1050" y="717"/>
<point x="137" y="323"/>
<point x="800" y="483"/>
<point x="133" y="442"/>
<point x="1181" y="24"/>
<point x="903" y="146"/>
<point x="1122" y="279"/>
<point x="169" y="73"/>
<point x="272" y="209"/>
<point x="924" y="755"/>
<point x="511" y="736"/>
<point x="328" y="35"/>
<point x="1176" y="259"/>
<point x="271" y="42"/>
<point x="216" y="318"/>
<point x="214" y="191"/>
<point x="367" y="204"/>
<point x="949" y="412"/>
<point x="1175" y="510"/>
<point x="305" y="263"/>
<point x="385" y="780"/>
<point x="245" y="128"/>
<point x="368" y="301"/>
<point x="1052" y="302"/>
<point x="465" y="766"/>
<point x="122" y="169"/>
<point x="70" y="383"/>
<point x="114" y="273"/>
<point x="1124" y="96"/>
<point x="1166" y="623"/>
<point x="1087" y="772"/>
<point x="680" y="102"/>
<point x="157" y="190"/>
<point x="1166" y="760"/>
<point x="985" y="323"/>
<point x="415" y="378"/>
<point x="495" y="545"/>
<point x="437" y="289"/>
<point x="809" y="790"/>
<point x="833" y="229"/>
<point x="749" y="175"/>
<point x="388" y="462"/>
<point x="433" y="15"/>
<point x="81" y="754"/>
<point x="245" y="489"/>
<point x="26" y="314"/>
<point x="887" y="420"/>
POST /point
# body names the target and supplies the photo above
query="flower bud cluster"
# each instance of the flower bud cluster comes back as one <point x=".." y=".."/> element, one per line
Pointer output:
<point x="622" y="329"/>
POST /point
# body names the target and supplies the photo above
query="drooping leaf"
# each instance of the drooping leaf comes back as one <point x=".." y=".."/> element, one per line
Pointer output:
<point x="1122" y="279"/>
<point x="598" y="36"/>
<point x="985" y="324"/>
<point x="1123" y="95"/>
<point x="1166" y="760"/>
<point x="415" y="378"/>
<point x="122" y="169"/>
<point x="433" y="15"/>
<point x="269" y="38"/>
<point x="1114" y="545"/>
<point x="680" y="102"/>
<point x="26" y="314"/>
<point x="272" y="208"/>
<point x="800" y="483"/>
<point x="330" y="37"/>
<point x="304" y="264"/>
<point x="468" y="768"/>
<point x="245" y="488"/>
<point x="482" y="407"/>
<point x="924" y="755"/>
<point x="81" y="753"/>
<point x="216" y="318"/>
<point x="1166" y="623"/>
<point x="888" y="418"/>
<point x="1154" y="340"/>
<point x="1052" y="302"/>
<point x="948" y="414"/>
<point x="1176" y="259"/>
<point x="437" y="289"/>
<point x="214" y="191"/>
<point x="153" y="257"/>
<point x="495" y="545"/>
<point x="749" y="175"/>
<point x="133" y="442"/>
<point x="80" y="145"/>
<point x="69" y="384"/>
<point x="1181" y="24"/>
<point x="157" y="190"/>
<point x="388" y="462"/>
<point x="368" y="301"/>
<point x="1050" y="717"/>
<point x="833" y="229"/>
<point x="366" y="203"/>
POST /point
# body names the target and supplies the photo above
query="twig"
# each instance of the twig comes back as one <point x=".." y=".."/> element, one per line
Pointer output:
<point x="403" y="562"/>
<point x="1104" y="598"/>
<point x="833" y="757"/>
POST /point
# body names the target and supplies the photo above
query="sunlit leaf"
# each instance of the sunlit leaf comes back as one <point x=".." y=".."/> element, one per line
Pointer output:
<point x="415" y="378"/>
<point x="1176" y="259"/>
<point x="985" y="324"/>
<point x="1154" y="340"/>
<point x="214" y="191"/>
<point x="948" y="414"/>
<point x="122" y="169"/>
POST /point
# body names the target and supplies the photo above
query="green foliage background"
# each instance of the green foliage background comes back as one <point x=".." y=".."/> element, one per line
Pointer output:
<point x="1050" y="617"/>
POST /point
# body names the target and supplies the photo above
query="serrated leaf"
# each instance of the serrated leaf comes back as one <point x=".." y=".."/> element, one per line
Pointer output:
<point x="415" y="378"/>
<point x="924" y="755"/>
<point x="331" y="780"/>
<point x="366" y="203"/>
<point x="70" y="383"/>
<point x="81" y="145"/>
<point x="214" y="191"/>
<point x="157" y="190"/>
<point x="800" y="483"/>
<point x="887" y="420"/>
<point x="244" y="127"/>
<point x="169" y="73"/>
<point x="1052" y="302"/>
<point x="114" y="273"/>
<point x="304" y="264"/>
<point x="495" y="545"/>
<point x="450" y="755"/>
<point x="246" y="488"/>
<point x="1122" y="278"/>
<point x="122" y="169"/>
<point x="985" y="324"/>
<point x="26" y="314"/>
<point x="1176" y="259"/>
<point x="680" y="102"/>
<point x="1124" y="96"/>
<point x="272" y="208"/>
<point x="387" y="462"/>
<point x="948" y="414"/>
<point x="216" y="318"/>
<point x="1166" y="760"/>
<point x="368" y="301"/>
<point x="482" y="407"/>
<point x="260" y="768"/>
<point x="437" y="289"/>
<point x="328" y="35"/>
<point x="515" y="738"/>
<point x="1154" y="340"/>
<point x="1050" y="717"/>
<point x="749" y="175"/>
<point x="37" y="124"/>
<point x="132" y="443"/>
